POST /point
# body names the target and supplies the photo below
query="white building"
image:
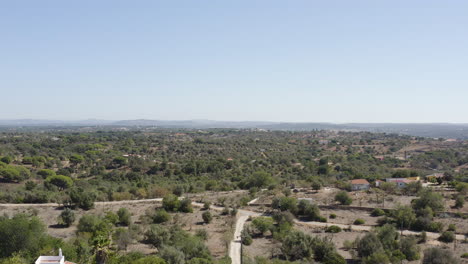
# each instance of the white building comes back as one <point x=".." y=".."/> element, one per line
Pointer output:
<point x="60" y="259"/>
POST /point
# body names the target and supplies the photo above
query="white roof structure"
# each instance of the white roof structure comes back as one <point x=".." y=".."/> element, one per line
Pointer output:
<point x="60" y="259"/>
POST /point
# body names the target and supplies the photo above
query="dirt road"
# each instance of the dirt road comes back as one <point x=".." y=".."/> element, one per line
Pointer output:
<point x="235" y="247"/>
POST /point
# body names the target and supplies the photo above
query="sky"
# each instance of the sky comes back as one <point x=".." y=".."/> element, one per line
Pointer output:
<point x="244" y="60"/>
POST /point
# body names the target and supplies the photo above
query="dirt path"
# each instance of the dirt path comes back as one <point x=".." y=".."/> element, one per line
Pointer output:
<point x="236" y="244"/>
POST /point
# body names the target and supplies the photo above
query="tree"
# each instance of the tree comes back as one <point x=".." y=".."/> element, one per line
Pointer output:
<point x="207" y="217"/>
<point x="61" y="181"/>
<point x="45" y="173"/>
<point x="76" y="159"/>
<point x="404" y="216"/>
<point x="125" y="217"/>
<point x="81" y="199"/>
<point x="297" y="245"/>
<point x="161" y="216"/>
<point x="439" y="256"/>
<point x="171" y="203"/>
<point x="368" y="245"/>
<point x="429" y="199"/>
<point x="21" y="233"/>
<point x="447" y="237"/>
<point x="263" y="224"/>
<point x="409" y="247"/>
<point x="6" y="159"/>
<point x="343" y="198"/>
<point x="186" y="206"/>
<point x="172" y="255"/>
<point x="259" y="179"/>
<point x="67" y="217"/>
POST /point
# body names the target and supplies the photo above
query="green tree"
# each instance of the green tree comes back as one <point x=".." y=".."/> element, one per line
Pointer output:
<point x="343" y="198"/>
<point x="171" y="203"/>
<point x="368" y="245"/>
<point x="263" y="224"/>
<point x="61" y="181"/>
<point x="67" y="217"/>
<point x="404" y="216"/>
<point x="125" y="217"/>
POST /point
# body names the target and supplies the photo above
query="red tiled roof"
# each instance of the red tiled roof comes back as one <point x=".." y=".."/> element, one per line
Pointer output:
<point x="359" y="181"/>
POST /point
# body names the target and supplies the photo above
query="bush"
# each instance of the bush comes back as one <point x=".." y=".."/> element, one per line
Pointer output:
<point x="206" y="205"/>
<point x="332" y="216"/>
<point x="451" y="227"/>
<point x="459" y="201"/>
<point x="171" y="203"/>
<point x="263" y="224"/>
<point x="464" y="255"/>
<point x="161" y="216"/>
<point x="359" y="221"/>
<point x="447" y="237"/>
<point x="246" y="238"/>
<point x="80" y="198"/>
<point x="207" y="217"/>
<point x="368" y="245"/>
<point x="439" y="256"/>
<point x="125" y="217"/>
<point x="186" y="206"/>
<point x="333" y="229"/>
<point x="67" y="217"/>
<point x="377" y="212"/>
<point x="343" y="198"/>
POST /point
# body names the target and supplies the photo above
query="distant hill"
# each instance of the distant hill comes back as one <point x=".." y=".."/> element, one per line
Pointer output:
<point x="435" y="130"/>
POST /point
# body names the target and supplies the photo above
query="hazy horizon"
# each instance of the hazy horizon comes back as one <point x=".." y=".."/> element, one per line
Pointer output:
<point x="302" y="61"/>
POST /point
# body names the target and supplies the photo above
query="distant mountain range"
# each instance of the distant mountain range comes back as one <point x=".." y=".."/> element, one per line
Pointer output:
<point x="442" y="130"/>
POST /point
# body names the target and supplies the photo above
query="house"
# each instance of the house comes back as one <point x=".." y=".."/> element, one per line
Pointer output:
<point x="400" y="182"/>
<point x="60" y="259"/>
<point x="378" y="183"/>
<point x="360" y="184"/>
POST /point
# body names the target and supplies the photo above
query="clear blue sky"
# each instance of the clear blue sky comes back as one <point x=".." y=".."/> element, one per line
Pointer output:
<point x="312" y="61"/>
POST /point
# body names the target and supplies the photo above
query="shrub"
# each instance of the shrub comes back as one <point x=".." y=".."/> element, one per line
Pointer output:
<point x="343" y="198"/>
<point x="186" y="206"/>
<point x="161" y="216"/>
<point x="246" y="238"/>
<point x="333" y="229"/>
<point x="359" y="221"/>
<point x="464" y="255"/>
<point x="202" y="234"/>
<point x="206" y="205"/>
<point x="439" y="256"/>
<point x="368" y="245"/>
<point x="447" y="237"/>
<point x="80" y="198"/>
<point x="207" y="217"/>
<point x="459" y="201"/>
<point x="423" y="237"/>
<point x="377" y="212"/>
<point x="451" y="227"/>
<point x="171" y="203"/>
<point x="408" y="246"/>
<point x="124" y="216"/>
<point x="67" y="217"/>
<point x="263" y="224"/>
<point x="332" y="216"/>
